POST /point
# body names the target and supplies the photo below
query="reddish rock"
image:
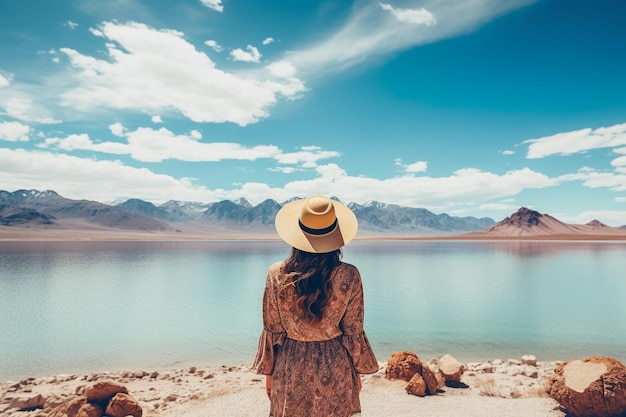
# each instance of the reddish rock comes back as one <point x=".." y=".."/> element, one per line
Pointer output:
<point x="78" y="407"/>
<point x="122" y="405"/>
<point x="403" y="365"/>
<point x="416" y="386"/>
<point x="432" y="384"/>
<point x="104" y="390"/>
<point x="591" y="387"/>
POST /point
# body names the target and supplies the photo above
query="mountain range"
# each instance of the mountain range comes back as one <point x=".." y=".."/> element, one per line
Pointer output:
<point x="47" y="210"/>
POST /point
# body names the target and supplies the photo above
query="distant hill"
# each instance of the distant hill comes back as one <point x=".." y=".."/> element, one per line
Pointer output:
<point x="34" y="208"/>
<point x="47" y="208"/>
<point x="530" y="223"/>
<point x="144" y="208"/>
<point x="381" y="217"/>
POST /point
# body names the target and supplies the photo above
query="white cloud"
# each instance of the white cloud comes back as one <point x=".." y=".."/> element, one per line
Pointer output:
<point x="46" y="170"/>
<point x="82" y="141"/>
<point x="596" y="179"/>
<point x="507" y="152"/>
<point x="213" y="4"/>
<point x="252" y="54"/>
<point x="419" y="166"/>
<point x="14" y="132"/>
<point x="156" y="119"/>
<point x="308" y="156"/>
<point x="609" y="217"/>
<point x="156" y="71"/>
<point x="149" y="145"/>
<point x="578" y="141"/>
<point x="414" y="16"/>
<point x="72" y="25"/>
<point x="267" y="41"/>
<point x="620" y="200"/>
<point x="282" y="69"/>
<point x="117" y="129"/>
<point x="98" y="180"/>
<point x="24" y="109"/>
<point x="5" y="80"/>
<point x="466" y="185"/>
<point x="214" y="45"/>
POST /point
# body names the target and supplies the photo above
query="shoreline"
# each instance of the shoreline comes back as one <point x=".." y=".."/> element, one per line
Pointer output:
<point x="123" y="236"/>
<point x="491" y="388"/>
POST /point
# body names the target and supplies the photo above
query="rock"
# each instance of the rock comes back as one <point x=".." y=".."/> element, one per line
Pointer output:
<point x="486" y="368"/>
<point x="104" y="390"/>
<point x="416" y="386"/>
<point x="90" y="410"/>
<point x="432" y="383"/>
<point x="25" y="402"/>
<point x="591" y="387"/>
<point x="122" y="405"/>
<point x="403" y="365"/>
<point x="78" y="407"/>
<point x="529" y="360"/>
<point x="451" y="369"/>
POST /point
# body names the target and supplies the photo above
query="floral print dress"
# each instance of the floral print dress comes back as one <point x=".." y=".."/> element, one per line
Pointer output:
<point x="314" y="367"/>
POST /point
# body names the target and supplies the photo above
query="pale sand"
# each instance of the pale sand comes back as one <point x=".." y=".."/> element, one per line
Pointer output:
<point x="237" y="392"/>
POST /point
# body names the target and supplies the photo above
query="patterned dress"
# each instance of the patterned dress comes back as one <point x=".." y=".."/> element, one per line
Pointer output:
<point x="314" y="367"/>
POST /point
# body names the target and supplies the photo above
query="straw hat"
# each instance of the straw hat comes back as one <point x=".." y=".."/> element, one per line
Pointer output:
<point x="316" y="224"/>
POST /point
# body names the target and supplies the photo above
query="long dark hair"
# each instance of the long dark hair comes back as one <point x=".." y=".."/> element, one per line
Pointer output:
<point x="310" y="274"/>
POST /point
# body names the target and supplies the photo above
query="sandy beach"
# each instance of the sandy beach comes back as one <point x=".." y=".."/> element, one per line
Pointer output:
<point x="495" y="388"/>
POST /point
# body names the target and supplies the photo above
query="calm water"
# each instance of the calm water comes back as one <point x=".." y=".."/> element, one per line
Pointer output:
<point x="68" y="307"/>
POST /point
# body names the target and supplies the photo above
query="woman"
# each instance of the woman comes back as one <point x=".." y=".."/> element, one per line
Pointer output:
<point x="313" y="347"/>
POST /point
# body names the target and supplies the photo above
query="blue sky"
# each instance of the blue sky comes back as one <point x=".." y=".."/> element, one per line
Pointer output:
<point x="468" y="107"/>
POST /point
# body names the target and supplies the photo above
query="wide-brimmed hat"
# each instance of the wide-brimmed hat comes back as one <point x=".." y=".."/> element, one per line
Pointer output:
<point x="316" y="224"/>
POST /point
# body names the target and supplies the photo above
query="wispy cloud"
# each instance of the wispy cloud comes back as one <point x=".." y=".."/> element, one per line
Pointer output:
<point x="150" y="145"/>
<point x="415" y="16"/>
<point x="213" y="4"/>
<point x="578" y="141"/>
<point x="306" y="157"/>
<point x="369" y="34"/>
<point x="214" y="45"/>
<point x="592" y="178"/>
<point x="267" y="41"/>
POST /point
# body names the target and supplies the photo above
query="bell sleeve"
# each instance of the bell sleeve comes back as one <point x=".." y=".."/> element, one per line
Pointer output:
<point x="354" y="338"/>
<point x="273" y="334"/>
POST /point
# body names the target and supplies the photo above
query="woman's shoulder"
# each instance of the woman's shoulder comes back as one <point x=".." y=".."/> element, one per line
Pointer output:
<point x="274" y="270"/>
<point x="348" y="271"/>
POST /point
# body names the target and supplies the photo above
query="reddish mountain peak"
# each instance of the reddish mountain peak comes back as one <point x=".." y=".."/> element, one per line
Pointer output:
<point x="524" y="217"/>
<point x="596" y="223"/>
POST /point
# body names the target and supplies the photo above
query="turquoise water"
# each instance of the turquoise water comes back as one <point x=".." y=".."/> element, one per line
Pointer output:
<point x="69" y="307"/>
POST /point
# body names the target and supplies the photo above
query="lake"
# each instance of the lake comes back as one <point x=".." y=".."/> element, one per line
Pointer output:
<point x="70" y="307"/>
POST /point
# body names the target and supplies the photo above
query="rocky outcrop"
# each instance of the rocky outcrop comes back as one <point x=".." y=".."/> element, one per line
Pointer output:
<point x="422" y="379"/>
<point x="403" y="365"/>
<point x="591" y="387"/>
<point x="103" y="398"/>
